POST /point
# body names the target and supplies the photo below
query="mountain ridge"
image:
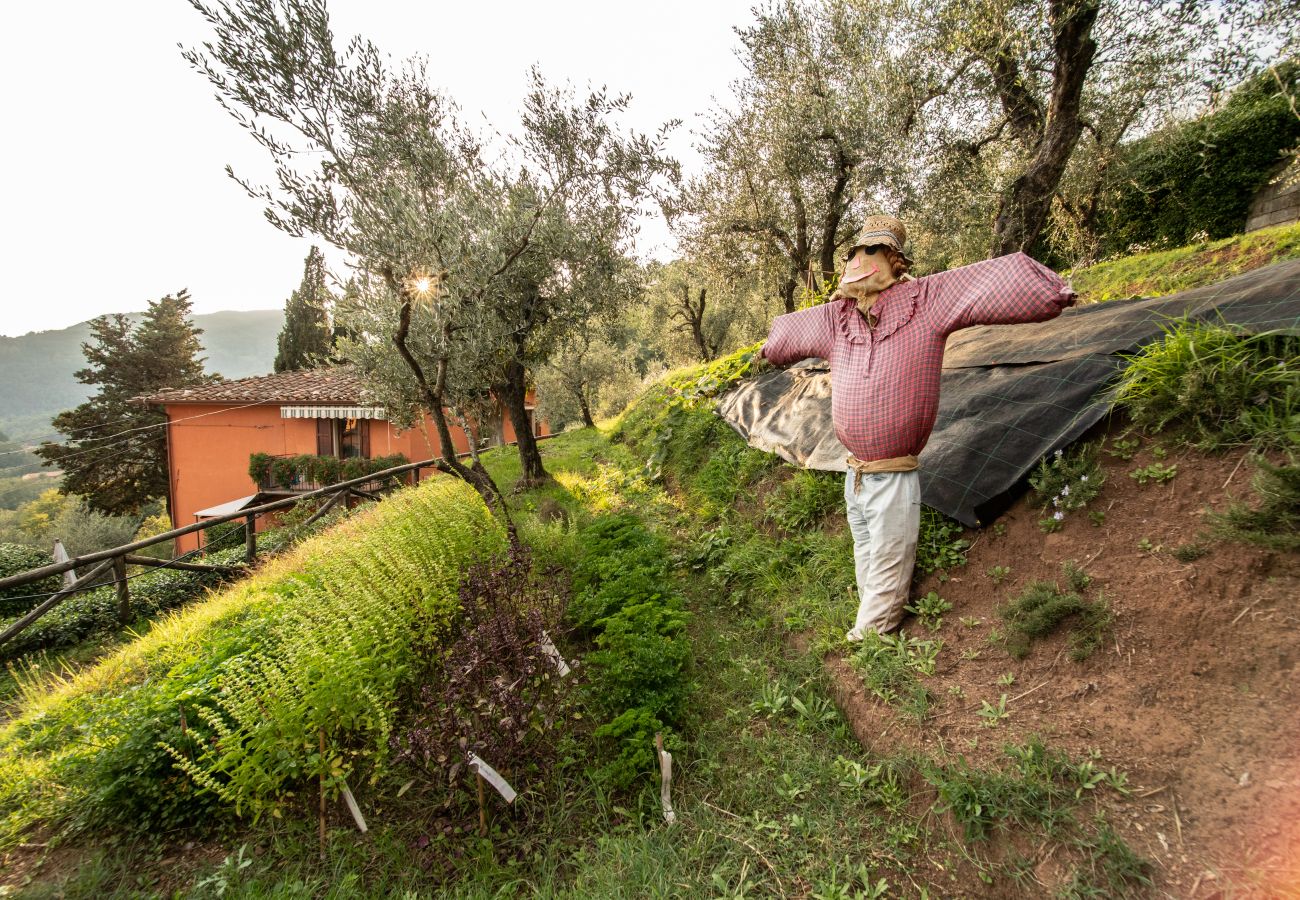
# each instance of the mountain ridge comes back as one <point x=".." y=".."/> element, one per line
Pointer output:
<point x="37" y="369"/>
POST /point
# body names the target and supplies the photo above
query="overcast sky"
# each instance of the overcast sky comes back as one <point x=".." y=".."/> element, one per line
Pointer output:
<point x="115" y="149"/>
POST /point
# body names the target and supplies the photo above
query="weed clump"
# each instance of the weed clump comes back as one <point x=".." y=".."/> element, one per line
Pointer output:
<point x="1222" y="387"/>
<point x="805" y="498"/>
<point x="1275" y="521"/>
<point x="940" y="544"/>
<point x="1065" y="482"/>
<point x="1044" y="607"/>
<point x="891" y="668"/>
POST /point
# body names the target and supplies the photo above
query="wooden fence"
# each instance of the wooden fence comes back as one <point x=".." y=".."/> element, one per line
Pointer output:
<point x="116" y="559"/>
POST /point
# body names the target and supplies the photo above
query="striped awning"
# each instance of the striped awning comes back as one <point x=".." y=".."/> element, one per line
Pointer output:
<point x="333" y="412"/>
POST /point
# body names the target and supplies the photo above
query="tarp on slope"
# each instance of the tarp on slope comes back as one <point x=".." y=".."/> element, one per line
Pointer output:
<point x="1010" y="394"/>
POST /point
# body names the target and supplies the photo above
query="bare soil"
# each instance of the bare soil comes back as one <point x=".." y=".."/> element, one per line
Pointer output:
<point x="1193" y="693"/>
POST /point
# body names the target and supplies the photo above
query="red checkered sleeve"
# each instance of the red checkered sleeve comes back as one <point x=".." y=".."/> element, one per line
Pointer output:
<point x="1000" y="291"/>
<point x="799" y="335"/>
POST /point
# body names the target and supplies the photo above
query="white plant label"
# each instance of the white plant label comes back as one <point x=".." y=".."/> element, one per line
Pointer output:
<point x="493" y="777"/>
<point x="354" y="809"/>
<point x="549" y="648"/>
<point x="666" y="784"/>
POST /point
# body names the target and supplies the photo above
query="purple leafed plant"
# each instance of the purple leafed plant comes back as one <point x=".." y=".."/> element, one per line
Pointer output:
<point x="489" y="687"/>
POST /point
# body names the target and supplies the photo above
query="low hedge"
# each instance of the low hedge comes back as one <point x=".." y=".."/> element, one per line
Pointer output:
<point x="287" y="471"/>
<point x="640" y="667"/>
<point x="222" y="706"/>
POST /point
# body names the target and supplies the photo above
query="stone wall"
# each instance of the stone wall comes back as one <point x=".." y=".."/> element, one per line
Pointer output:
<point x="1277" y="203"/>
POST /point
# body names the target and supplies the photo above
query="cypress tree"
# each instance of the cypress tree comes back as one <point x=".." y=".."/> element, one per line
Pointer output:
<point x="116" y="455"/>
<point x="306" y="340"/>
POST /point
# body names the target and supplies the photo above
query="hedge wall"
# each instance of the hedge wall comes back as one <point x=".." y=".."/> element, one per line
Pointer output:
<point x="1201" y="176"/>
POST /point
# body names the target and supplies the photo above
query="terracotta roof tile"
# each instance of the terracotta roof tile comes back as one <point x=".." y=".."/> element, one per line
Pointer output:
<point x="332" y="384"/>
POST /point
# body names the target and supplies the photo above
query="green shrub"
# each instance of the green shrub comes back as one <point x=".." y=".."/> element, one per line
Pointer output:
<point x="1219" y="386"/>
<point x="1201" y="176"/>
<point x="259" y="467"/>
<point x="222" y="706"/>
<point x="16" y="558"/>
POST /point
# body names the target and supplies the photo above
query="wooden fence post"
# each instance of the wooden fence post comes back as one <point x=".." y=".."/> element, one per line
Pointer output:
<point x="123" y="590"/>
<point x="250" y="539"/>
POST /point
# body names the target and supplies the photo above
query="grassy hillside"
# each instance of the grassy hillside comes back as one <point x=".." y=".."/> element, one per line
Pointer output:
<point x="37" y="369"/>
<point x="1153" y="274"/>
<point x="1094" y="704"/>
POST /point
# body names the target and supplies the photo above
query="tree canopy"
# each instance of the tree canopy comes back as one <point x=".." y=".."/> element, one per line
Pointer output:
<point x="116" y="453"/>
<point x="475" y="258"/>
<point x="307" y="339"/>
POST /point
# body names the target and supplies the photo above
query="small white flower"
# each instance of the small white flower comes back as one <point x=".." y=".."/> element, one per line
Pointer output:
<point x="1058" y="454"/>
<point x="1056" y="501"/>
<point x="1058" y="515"/>
<point x="1083" y="477"/>
<point x="1065" y="491"/>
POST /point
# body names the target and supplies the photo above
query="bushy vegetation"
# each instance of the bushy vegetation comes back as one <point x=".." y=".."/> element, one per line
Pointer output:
<point x="1201" y="176"/>
<point x="288" y="471"/>
<point x="1216" y="385"/>
<point x="224" y="705"/>
<point x="640" y="669"/>
<point x="16" y="558"/>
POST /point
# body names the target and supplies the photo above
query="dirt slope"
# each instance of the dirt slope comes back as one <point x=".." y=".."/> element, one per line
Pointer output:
<point x="1193" y="693"/>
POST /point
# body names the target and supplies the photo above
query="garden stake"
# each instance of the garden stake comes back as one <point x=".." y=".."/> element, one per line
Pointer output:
<point x="322" y="795"/>
<point x="482" y="808"/>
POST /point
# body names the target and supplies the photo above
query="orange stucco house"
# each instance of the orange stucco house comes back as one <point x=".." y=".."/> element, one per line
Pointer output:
<point x="214" y="430"/>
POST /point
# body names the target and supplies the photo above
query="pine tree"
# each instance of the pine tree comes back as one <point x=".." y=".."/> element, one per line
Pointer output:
<point x="306" y="340"/>
<point x="116" y="453"/>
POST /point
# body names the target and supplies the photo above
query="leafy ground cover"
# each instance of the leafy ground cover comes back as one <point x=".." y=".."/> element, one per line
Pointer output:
<point x="1159" y="272"/>
<point x="242" y="692"/>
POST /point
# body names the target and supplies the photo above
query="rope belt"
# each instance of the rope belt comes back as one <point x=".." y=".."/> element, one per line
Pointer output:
<point x="894" y="464"/>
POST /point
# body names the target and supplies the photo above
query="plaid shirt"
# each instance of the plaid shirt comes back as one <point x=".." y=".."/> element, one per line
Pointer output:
<point x="885" y="379"/>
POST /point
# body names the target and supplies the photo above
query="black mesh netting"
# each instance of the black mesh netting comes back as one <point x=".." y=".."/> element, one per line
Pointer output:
<point x="1010" y="394"/>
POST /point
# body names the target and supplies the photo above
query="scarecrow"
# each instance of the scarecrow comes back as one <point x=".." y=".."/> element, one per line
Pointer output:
<point x="883" y="333"/>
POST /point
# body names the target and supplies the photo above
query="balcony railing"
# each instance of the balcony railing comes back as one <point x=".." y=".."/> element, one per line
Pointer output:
<point x="305" y="472"/>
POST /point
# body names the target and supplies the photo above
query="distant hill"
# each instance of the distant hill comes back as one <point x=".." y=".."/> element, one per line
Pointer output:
<point x="36" y="370"/>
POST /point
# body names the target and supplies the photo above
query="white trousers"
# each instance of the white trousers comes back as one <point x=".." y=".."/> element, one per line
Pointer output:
<point x="885" y="519"/>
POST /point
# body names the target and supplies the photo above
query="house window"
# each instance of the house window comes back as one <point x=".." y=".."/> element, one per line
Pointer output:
<point x="343" y="438"/>
<point x="353" y="438"/>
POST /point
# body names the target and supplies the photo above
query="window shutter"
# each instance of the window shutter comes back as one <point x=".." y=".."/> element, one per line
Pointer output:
<point x="364" y="427"/>
<point x="324" y="437"/>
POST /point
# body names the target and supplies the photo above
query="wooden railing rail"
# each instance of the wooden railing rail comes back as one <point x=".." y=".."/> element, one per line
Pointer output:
<point x="247" y="515"/>
<point x="116" y="559"/>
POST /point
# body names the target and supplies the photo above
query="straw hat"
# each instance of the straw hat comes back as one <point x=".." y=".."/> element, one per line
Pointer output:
<point x="881" y="231"/>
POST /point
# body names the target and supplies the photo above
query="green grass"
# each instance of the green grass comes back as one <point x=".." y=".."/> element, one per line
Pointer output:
<point x="1169" y="271"/>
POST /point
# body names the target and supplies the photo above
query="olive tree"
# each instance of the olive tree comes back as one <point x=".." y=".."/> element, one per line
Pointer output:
<point x="475" y="256"/>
